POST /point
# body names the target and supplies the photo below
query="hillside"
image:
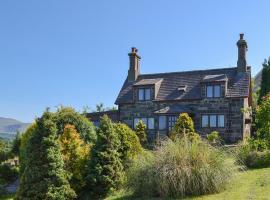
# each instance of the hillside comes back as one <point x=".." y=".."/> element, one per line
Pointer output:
<point x="9" y="127"/>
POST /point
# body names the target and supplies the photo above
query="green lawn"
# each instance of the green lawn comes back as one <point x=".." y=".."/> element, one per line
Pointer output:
<point x="249" y="185"/>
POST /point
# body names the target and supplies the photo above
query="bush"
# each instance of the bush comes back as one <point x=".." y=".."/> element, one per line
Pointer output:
<point x="75" y="153"/>
<point x="213" y="137"/>
<point x="130" y="146"/>
<point x="140" y="130"/>
<point x="253" y="154"/>
<point x="184" y="127"/>
<point x="8" y="174"/>
<point x="181" y="168"/>
<point x="44" y="176"/>
<point x="105" y="170"/>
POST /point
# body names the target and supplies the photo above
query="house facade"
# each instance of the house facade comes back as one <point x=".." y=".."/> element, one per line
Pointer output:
<point x="214" y="98"/>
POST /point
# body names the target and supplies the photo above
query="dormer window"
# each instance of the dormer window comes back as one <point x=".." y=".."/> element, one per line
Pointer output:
<point x="144" y="94"/>
<point x="213" y="91"/>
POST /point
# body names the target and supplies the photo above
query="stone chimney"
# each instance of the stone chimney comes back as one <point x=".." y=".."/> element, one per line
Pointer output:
<point x="242" y="51"/>
<point x="134" y="65"/>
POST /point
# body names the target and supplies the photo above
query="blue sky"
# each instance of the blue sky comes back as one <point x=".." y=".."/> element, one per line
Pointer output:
<point x="75" y="52"/>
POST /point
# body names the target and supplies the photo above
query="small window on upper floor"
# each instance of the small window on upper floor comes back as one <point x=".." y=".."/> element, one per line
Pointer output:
<point x="144" y="94"/>
<point x="213" y="91"/>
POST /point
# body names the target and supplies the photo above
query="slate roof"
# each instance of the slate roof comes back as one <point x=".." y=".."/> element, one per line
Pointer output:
<point x="238" y="84"/>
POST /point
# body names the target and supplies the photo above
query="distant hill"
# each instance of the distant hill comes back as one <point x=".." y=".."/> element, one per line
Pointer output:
<point x="9" y="127"/>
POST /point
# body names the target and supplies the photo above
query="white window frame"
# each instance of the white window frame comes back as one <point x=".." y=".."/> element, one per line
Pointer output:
<point x="146" y="121"/>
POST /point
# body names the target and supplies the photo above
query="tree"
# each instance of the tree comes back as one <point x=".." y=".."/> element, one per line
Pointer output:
<point x="16" y="145"/>
<point x="184" y="127"/>
<point x="75" y="153"/>
<point x="67" y="115"/>
<point x="140" y="130"/>
<point x="44" y="176"/>
<point x="24" y="140"/>
<point x="100" y="107"/>
<point x="130" y="146"/>
<point x="105" y="168"/>
<point x="263" y="119"/>
<point x="265" y="83"/>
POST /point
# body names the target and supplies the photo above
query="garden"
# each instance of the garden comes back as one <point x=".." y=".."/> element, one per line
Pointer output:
<point x="62" y="155"/>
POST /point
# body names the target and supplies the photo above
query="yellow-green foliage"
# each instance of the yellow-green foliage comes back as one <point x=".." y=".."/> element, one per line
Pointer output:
<point x="75" y="153"/>
<point x="181" y="168"/>
<point x="130" y="146"/>
<point x="184" y="127"/>
<point x="263" y="119"/>
<point x="140" y="130"/>
<point x="213" y="137"/>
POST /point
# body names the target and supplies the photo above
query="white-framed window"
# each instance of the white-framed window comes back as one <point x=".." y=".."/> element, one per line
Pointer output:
<point x="221" y="121"/>
<point x="213" y="121"/>
<point x="213" y="91"/>
<point x="162" y="123"/>
<point x="209" y="91"/>
<point x="171" y="121"/>
<point x="144" y="94"/>
<point x="149" y="122"/>
<point x="217" y="91"/>
<point x="205" y="121"/>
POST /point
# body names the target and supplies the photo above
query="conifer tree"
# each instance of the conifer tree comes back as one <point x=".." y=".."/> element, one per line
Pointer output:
<point x="105" y="168"/>
<point x="184" y="127"/>
<point x="75" y="153"/>
<point x="265" y="83"/>
<point x="44" y="176"/>
<point x="140" y="130"/>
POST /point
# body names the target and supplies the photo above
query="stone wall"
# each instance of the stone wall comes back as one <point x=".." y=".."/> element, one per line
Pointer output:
<point x="235" y="128"/>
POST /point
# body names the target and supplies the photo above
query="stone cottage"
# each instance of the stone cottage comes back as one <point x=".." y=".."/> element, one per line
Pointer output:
<point x="214" y="98"/>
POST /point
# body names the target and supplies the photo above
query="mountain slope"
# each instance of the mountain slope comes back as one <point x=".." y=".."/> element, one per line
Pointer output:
<point x="9" y="127"/>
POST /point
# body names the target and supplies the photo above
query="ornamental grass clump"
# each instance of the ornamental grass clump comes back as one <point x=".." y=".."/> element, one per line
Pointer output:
<point x="181" y="168"/>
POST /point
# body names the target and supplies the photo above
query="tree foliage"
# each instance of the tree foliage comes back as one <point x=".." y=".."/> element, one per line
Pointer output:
<point x="265" y="83"/>
<point x="67" y="115"/>
<point x="75" y="153"/>
<point x="130" y="146"/>
<point x="44" y="176"/>
<point x="184" y="127"/>
<point x="263" y="119"/>
<point x="24" y="140"/>
<point x="16" y="145"/>
<point x="105" y="168"/>
<point x="140" y="130"/>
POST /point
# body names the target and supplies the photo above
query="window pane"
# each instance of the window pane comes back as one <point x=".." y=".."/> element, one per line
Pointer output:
<point x="144" y="121"/>
<point x="209" y="91"/>
<point x="151" y="123"/>
<point x="217" y="91"/>
<point x="221" y="121"/>
<point x="171" y="121"/>
<point x="205" y="121"/>
<point x="136" y="120"/>
<point x="147" y="94"/>
<point x="162" y="123"/>
<point x="213" y="120"/>
<point x="141" y="94"/>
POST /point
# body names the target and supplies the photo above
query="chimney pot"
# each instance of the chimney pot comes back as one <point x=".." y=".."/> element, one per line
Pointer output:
<point x="241" y="36"/>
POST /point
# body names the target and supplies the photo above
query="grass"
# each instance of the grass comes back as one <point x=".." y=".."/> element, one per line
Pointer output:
<point x="250" y="185"/>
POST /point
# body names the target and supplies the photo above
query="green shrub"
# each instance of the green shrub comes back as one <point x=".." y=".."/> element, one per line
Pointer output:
<point x="140" y="130"/>
<point x="253" y="154"/>
<point x="105" y="170"/>
<point x="213" y="137"/>
<point x="184" y="127"/>
<point x="130" y="146"/>
<point x="181" y="168"/>
<point x="8" y="173"/>
<point x="44" y="176"/>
